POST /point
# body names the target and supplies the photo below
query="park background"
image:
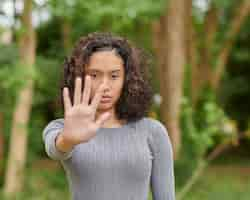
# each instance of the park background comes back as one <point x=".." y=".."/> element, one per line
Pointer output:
<point x="200" y="73"/>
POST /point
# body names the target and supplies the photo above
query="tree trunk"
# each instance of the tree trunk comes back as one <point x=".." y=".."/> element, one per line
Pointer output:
<point x="204" y="68"/>
<point x="168" y="43"/>
<point x="174" y="50"/>
<point x="191" y="49"/>
<point x="158" y="38"/>
<point x="18" y="141"/>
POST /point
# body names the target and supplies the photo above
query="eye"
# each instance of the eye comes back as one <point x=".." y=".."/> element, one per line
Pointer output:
<point x="115" y="76"/>
<point x="93" y="75"/>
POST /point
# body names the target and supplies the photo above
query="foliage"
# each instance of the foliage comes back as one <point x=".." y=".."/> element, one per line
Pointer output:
<point x="8" y="80"/>
<point x="202" y="129"/>
<point x="41" y="185"/>
<point x="46" y="89"/>
<point x="234" y="93"/>
<point x="44" y="107"/>
<point x="121" y="17"/>
<point x="98" y="10"/>
<point x="224" y="4"/>
<point x="49" y="42"/>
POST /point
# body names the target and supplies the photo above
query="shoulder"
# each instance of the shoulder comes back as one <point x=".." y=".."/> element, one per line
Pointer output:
<point x="158" y="135"/>
<point x="154" y="126"/>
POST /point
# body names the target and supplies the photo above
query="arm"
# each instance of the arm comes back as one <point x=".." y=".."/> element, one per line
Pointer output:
<point x="50" y="134"/>
<point x="162" y="175"/>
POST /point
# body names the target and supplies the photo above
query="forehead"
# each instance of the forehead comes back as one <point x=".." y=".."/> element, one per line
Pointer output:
<point x="105" y="61"/>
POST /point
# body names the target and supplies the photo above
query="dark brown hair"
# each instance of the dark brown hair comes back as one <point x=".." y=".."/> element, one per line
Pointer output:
<point x="136" y="96"/>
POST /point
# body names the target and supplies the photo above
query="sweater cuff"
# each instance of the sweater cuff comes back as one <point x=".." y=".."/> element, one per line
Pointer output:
<point x="54" y="152"/>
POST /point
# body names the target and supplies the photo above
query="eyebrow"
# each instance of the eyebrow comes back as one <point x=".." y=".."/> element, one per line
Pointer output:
<point x="96" y="70"/>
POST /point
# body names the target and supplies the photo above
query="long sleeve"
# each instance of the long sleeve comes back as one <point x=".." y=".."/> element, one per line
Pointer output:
<point x="162" y="175"/>
<point x="50" y="132"/>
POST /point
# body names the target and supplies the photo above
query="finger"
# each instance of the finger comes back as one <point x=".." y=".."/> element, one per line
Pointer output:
<point x="66" y="99"/>
<point x="97" y="97"/>
<point x="77" y="93"/>
<point x="100" y="121"/>
<point x="87" y="90"/>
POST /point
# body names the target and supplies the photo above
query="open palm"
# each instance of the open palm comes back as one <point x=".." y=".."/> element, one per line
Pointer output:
<point x="80" y="124"/>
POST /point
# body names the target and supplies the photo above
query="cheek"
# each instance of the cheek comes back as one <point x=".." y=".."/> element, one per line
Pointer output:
<point x="118" y="88"/>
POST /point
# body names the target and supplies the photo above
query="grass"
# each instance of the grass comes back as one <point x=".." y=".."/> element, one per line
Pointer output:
<point x="221" y="183"/>
<point x="228" y="177"/>
<point x="225" y="179"/>
<point x="44" y="184"/>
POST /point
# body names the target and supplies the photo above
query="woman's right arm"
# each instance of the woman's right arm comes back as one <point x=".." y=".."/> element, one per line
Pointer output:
<point x="79" y="124"/>
<point x="50" y="136"/>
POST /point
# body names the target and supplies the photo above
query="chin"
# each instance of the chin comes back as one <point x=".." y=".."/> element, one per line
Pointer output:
<point x="103" y="107"/>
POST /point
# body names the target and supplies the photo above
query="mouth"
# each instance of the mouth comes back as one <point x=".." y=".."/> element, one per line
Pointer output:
<point x="106" y="96"/>
<point x="105" y="99"/>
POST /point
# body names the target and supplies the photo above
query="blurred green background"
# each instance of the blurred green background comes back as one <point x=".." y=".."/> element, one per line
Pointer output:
<point x="200" y="59"/>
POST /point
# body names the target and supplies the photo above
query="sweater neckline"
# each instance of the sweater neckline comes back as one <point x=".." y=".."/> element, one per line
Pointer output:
<point x="115" y="128"/>
<point x="124" y="126"/>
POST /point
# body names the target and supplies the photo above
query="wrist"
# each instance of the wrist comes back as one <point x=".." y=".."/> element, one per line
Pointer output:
<point x="62" y="145"/>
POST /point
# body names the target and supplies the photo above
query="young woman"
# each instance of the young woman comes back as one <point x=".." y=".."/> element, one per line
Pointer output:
<point x="108" y="147"/>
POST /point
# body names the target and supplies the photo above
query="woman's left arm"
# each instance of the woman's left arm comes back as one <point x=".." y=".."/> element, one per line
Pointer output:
<point x="162" y="180"/>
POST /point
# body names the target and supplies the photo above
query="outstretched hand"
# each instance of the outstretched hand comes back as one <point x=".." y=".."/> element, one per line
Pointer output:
<point x="80" y="124"/>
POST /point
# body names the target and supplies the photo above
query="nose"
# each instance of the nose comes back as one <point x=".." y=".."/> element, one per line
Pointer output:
<point x="106" y="84"/>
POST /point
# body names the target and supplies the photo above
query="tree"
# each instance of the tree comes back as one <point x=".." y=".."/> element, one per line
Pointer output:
<point x="241" y="13"/>
<point x="18" y="142"/>
<point x="210" y="66"/>
<point x="196" y="49"/>
<point x="169" y="42"/>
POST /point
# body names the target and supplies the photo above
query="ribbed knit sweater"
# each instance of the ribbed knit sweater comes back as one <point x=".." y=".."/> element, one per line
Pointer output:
<point x="120" y="163"/>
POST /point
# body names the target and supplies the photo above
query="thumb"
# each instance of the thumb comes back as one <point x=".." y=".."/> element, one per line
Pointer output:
<point x="100" y="121"/>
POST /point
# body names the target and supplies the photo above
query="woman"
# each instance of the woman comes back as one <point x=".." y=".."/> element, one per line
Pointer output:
<point x="109" y="148"/>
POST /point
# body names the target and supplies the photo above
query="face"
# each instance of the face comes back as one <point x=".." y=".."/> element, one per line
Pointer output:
<point x="108" y="68"/>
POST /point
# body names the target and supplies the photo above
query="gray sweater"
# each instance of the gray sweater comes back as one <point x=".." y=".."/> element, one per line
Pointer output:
<point x="117" y="163"/>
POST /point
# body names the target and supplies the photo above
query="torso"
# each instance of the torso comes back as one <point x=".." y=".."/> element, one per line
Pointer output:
<point x="116" y="160"/>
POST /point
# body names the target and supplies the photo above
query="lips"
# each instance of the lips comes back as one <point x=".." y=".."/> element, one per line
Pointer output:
<point x="106" y="97"/>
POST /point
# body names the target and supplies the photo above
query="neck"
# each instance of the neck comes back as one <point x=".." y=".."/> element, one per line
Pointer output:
<point x="113" y="121"/>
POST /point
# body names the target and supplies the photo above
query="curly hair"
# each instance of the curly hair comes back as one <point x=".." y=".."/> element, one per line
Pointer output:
<point x="136" y="96"/>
